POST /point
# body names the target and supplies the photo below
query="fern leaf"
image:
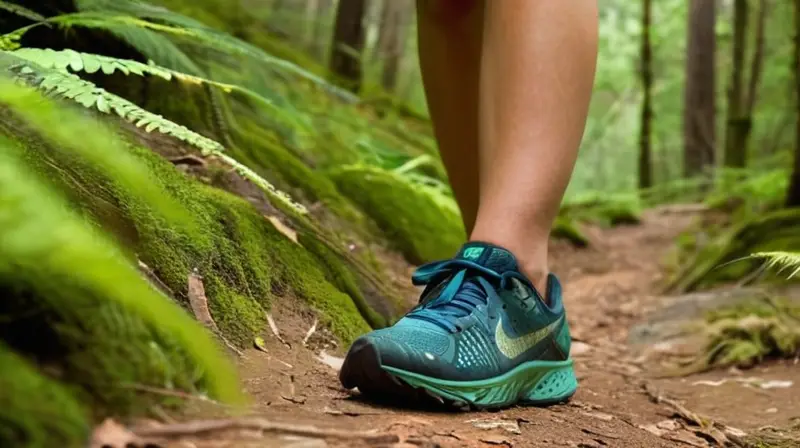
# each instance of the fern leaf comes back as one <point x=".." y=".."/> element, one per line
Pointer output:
<point x="84" y="92"/>
<point x="781" y="260"/>
<point x="22" y="11"/>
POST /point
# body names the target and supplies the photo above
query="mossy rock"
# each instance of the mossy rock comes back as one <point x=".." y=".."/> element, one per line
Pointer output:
<point x="726" y="257"/>
<point x="245" y="260"/>
<point x="610" y="211"/>
<point x="412" y="221"/>
<point x="36" y="411"/>
<point x="567" y="230"/>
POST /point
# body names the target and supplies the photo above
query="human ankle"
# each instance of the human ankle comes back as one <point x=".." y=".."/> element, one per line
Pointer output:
<point x="531" y="258"/>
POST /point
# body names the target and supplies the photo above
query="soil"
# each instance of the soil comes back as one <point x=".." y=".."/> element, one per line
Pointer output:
<point x="611" y="288"/>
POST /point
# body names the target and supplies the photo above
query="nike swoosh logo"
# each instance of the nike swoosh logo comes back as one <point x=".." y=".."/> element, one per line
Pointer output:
<point x="513" y="347"/>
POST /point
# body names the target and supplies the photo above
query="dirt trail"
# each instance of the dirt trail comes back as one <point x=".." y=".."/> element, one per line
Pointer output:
<point x="609" y="289"/>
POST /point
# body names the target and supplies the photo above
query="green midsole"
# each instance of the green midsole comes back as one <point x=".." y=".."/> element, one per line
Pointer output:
<point x="537" y="381"/>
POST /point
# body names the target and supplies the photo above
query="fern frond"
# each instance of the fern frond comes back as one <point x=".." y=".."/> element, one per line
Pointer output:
<point x="89" y="95"/>
<point x="67" y="85"/>
<point x="22" y="11"/>
<point x="91" y="63"/>
<point x="143" y="34"/>
<point x="781" y="260"/>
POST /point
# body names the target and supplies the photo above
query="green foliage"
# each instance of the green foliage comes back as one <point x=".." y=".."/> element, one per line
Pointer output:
<point x="604" y="209"/>
<point x="36" y="411"/>
<point x="781" y="260"/>
<point x="726" y="258"/>
<point x="749" y="190"/>
<point x="89" y="95"/>
<point x="409" y="217"/>
<point x="566" y="229"/>
<point x="21" y="11"/>
<point x="748" y="333"/>
<point x="91" y="140"/>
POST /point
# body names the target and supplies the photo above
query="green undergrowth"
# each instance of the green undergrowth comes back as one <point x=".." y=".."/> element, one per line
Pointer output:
<point x="40" y="412"/>
<point x="412" y="221"/>
<point x="750" y="332"/>
<point x="567" y="229"/>
<point x="244" y="260"/>
<point x="726" y="256"/>
<point x="76" y="305"/>
<point x="603" y="209"/>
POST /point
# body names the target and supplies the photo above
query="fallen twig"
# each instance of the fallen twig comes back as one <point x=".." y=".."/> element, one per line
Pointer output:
<point x="723" y="435"/>
<point x="310" y="332"/>
<point x="157" y="282"/>
<point x="260" y="424"/>
<point x="171" y="393"/>
<point x="274" y="328"/>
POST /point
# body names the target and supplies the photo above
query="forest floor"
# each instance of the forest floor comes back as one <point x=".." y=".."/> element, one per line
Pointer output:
<point x="621" y="329"/>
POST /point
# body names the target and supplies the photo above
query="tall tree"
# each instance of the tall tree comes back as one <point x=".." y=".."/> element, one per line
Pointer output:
<point x="698" y="116"/>
<point x="392" y="39"/>
<point x="741" y="102"/>
<point x="645" y="144"/>
<point x="321" y="35"/>
<point x="348" y="43"/>
<point x="736" y="121"/>
<point x="793" y="195"/>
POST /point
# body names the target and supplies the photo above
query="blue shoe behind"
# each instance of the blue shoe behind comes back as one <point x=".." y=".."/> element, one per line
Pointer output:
<point x="481" y="337"/>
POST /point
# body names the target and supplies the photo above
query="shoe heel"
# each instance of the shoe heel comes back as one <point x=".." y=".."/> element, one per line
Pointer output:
<point x="555" y="386"/>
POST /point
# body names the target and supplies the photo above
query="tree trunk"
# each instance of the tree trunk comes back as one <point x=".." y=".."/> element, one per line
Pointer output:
<point x="310" y="25"/>
<point x="645" y="150"/>
<point x="737" y="122"/>
<point x="321" y="35"/>
<point x="793" y="195"/>
<point x="348" y="43"/>
<point x="392" y="40"/>
<point x="756" y="65"/>
<point x="698" y="115"/>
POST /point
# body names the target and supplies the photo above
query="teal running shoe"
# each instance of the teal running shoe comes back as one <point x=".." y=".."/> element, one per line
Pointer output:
<point x="480" y="337"/>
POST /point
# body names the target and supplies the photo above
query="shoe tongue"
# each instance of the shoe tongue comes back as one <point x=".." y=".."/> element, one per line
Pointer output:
<point x="489" y="256"/>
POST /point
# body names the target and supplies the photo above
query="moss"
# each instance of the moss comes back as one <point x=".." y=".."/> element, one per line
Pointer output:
<point x="39" y="412"/>
<point x="411" y="220"/>
<point x="73" y="303"/>
<point x="245" y="261"/>
<point x="335" y="272"/>
<point x="745" y="334"/>
<point x="566" y="229"/>
<point x="614" y="210"/>
<point x="725" y="258"/>
<point x="266" y="154"/>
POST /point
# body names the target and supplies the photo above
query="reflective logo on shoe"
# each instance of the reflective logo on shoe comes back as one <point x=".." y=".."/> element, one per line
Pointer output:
<point x="513" y="347"/>
<point x="472" y="253"/>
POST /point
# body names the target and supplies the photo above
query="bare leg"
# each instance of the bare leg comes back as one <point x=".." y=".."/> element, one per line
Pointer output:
<point x="450" y="33"/>
<point x="536" y="78"/>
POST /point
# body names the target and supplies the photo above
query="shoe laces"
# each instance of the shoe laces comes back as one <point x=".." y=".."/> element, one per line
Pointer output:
<point x="470" y="285"/>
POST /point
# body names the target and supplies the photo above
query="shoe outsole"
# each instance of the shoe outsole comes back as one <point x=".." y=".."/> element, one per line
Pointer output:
<point x="362" y="369"/>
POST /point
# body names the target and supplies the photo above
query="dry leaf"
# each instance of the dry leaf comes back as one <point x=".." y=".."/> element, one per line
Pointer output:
<point x="199" y="301"/>
<point x="283" y="228"/>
